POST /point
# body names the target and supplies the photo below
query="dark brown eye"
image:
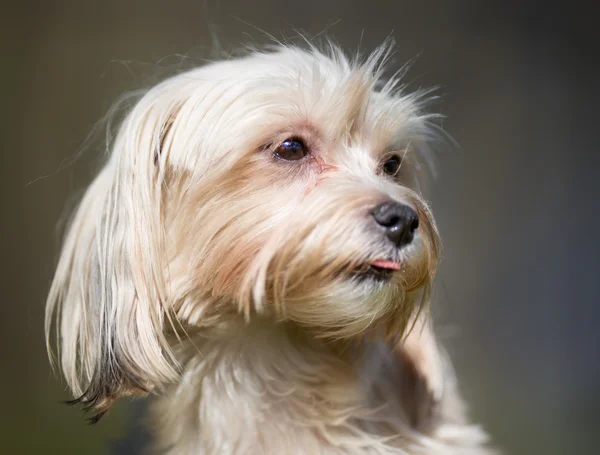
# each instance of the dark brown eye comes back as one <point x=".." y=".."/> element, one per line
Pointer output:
<point x="392" y="164"/>
<point x="291" y="150"/>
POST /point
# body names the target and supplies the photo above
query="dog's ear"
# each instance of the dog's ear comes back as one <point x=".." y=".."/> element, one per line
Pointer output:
<point x="108" y="300"/>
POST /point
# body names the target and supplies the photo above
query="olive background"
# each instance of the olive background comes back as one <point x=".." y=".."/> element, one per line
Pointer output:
<point x="517" y="203"/>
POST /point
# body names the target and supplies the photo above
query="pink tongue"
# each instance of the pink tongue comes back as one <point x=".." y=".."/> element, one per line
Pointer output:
<point x="384" y="264"/>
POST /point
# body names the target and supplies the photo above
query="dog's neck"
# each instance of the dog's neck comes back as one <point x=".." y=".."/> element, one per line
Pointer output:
<point x="274" y="388"/>
<point x="240" y="377"/>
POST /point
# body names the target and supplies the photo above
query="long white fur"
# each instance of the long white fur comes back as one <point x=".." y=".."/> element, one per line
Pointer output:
<point x="203" y="271"/>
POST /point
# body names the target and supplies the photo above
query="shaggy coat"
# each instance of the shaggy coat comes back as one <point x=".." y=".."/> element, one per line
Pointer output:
<point x="252" y="295"/>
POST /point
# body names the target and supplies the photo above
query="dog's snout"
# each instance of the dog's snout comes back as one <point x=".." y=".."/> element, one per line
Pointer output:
<point x="398" y="220"/>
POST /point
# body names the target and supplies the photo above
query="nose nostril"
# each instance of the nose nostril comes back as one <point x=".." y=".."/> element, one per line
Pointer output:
<point x="393" y="221"/>
<point x="414" y="224"/>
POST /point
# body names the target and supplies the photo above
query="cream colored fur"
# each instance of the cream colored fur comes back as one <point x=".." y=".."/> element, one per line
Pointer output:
<point x="223" y="281"/>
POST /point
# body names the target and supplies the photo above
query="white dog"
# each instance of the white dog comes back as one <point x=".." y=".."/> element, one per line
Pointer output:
<point x="256" y="256"/>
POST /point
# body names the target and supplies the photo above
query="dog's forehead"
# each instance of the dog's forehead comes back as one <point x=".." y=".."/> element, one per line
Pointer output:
<point x="222" y="111"/>
<point x="294" y="86"/>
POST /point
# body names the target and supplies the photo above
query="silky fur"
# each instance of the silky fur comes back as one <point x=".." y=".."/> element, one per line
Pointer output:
<point x="226" y="283"/>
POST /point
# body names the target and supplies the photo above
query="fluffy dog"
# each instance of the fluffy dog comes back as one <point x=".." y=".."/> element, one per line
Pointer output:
<point x="255" y="254"/>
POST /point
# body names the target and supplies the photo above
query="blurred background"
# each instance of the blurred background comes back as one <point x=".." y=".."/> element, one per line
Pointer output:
<point x="518" y="204"/>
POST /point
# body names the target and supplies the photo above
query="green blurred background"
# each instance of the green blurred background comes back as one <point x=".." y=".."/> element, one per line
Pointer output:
<point x="518" y="204"/>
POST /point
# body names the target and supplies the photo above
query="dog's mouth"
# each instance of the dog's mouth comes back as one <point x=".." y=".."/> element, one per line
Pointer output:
<point x="385" y="265"/>
<point x="378" y="270"/>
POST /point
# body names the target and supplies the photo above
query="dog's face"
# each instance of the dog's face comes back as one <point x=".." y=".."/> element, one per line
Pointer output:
<point x="279" y="184"/>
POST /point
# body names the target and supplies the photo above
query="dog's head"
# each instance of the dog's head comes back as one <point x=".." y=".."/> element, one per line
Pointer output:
<point x="279" y="185"/>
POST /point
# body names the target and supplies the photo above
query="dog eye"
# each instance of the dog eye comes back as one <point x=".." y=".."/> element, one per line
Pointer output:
<point x="291" y="150"/>
<point x="392" y="164"/>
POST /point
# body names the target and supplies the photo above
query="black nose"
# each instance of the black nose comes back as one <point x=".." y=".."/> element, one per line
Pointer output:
<point x="398" y="220"/>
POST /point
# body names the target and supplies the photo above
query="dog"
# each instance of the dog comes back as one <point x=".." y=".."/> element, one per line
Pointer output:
<point x="257" y="257"/>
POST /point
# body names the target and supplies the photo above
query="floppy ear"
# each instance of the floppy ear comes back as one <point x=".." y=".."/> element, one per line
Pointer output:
<point x="108" y="299"/>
